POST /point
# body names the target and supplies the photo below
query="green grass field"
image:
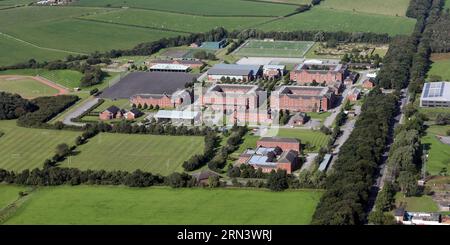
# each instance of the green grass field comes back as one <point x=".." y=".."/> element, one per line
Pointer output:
<point x="107" y="205"/>
<point x="441" y="68"/>
<point x="438" y="152"/>
<point x="26" y="148"/>
<point x="14" y="2"/>
<point x="315" y="138"/>
<point x="200" y="7"/>
<point x="26" y="87"/>
<point x="325" y="19"/>
<point x="9" y="193"/>
<point x="154" y="153"/>
<point x="66" y="78"/>
<point x="417" y="204"/>
<point x="382" y="7"/>
<point x="274" y="49"/>
<point x="174" y="21"/>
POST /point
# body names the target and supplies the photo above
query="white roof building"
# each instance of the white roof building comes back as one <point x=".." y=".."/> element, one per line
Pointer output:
<point x="435" y="94"/>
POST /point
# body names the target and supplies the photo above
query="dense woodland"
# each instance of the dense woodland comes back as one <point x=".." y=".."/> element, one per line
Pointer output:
<point x="13" y="106"/>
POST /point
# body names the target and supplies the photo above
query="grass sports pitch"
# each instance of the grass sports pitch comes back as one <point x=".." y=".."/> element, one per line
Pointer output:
<point x="107" y="205"/>
<point x="160" y="154"/>
<point x="259" y="48"/>
<point x="27" y="87"/>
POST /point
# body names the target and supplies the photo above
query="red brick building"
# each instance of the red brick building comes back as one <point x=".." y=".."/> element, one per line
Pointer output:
<point x="302" y="98"/>
<point x="306" y="73"/>
<point x="368" y="84"/>
<point x="162" y="100"/>
<point x="272" y="154"/>
<point x="112" y="112"/>
<point x="354" y="94"/>
<point x="132" y="114"/>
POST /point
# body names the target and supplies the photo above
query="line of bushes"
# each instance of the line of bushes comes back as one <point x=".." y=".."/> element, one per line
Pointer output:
<point x="88" y="111"/>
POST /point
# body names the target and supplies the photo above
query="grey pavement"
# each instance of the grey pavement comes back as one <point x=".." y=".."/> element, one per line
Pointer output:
<point x="78" y="111"/>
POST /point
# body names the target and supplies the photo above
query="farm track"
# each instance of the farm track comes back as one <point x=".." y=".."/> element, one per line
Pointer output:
<point x="40" y="47"/>
<point x="61" y="89"/>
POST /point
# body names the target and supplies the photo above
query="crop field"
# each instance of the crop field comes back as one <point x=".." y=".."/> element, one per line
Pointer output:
<point x="417" y="204"/>
<point x="382" y="7"/>
<point x="441" y="67"/>
<point x="438" y="152"/>
<point x="107" y="205"/>
<point x="325" y="19"/>
<point x="174" y="21"/>
<point x="153" y="153"/>
<point x="258" y="48"/>
<point x="200" y="7"/>
<point x="26" y="148"/>
<point x="316" y="139"/>
<point x="26" y="87"/>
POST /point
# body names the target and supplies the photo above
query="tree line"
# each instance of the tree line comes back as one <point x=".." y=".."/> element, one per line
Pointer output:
<point x="13" y="106"/>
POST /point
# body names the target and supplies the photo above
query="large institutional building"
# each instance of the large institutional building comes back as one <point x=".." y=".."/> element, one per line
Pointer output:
<point x="302" y="98"/>
<point x="162" y="100"/>
<point x="234" y="71"/>
<point x="319" y="72"/>
<point x="436" y="94"/>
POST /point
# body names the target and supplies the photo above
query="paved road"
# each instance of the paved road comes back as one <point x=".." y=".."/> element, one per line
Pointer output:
<point x="309" y="161"/>
<point x="78" y="111"/>
<point x="328" y="122"/>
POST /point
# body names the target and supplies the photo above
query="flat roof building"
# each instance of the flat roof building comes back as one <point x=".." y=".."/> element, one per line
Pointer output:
<point x="169" y="68"/>
<point x="435" y="94"/>
<point x="238" y="72"/>
<point x="302" y="98"/>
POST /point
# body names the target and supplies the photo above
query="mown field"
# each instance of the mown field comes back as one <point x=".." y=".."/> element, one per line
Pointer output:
<point x="107" y="205"/>
<point x="321" y="18"/>
<point x="26" y="148"/>
<point x="14" y="2"/>
<point x="438" y="152"/>
<point x="66" y="78"/>
<point x="382" y="7"/>
<point x="417" y="204"/>
<point x="175" y="21"/>
<point x="258" y="48"/>
<point x="200" y="7"/>
<point x="440" y="67"/>
<point x="26" y="87"/>
<point x="161" y="154"/>
<point x="9" y="193"/>
<point x="316" y="139"/>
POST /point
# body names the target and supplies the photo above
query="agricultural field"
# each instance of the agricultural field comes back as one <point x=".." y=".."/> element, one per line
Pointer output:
<point x="417" y="204"/>
<point x="26" y="148"/>
<point x="174" y="21"/>
<point x="106" y="205"/>
<point x="27" y="87"/>
<point x="66" y="78"/>
<point x="440" y="66"/>
<point x="258" y="48"/>
<point x="9" y="193"/>
<point x="160" y="154"/>
<point x="325" y="19"/>
<point x="438" y="152"/>
<point x="382" y="7"/>
<point x="321" y="51"/>
<point x="200" y="7"/>
<point x="316" y="139"/>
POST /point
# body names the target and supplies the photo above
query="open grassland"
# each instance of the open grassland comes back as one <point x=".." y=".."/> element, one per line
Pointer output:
<point x="441" y="67"/>
<point x="174" y="21"/>
<point x="9" y="193"/>
<point x="107" y="205"/>
<point x="161" y="154"/>
<point x="298" y="2"/>
<point x="382" y="7"/>
<point x="66" y="78"/>
<point x="316" y="139"/>
<point x="321" y="18"/>
<point x="26" y="87"/>
<point x="200" y="7"/>
<point x="25" y="148"/>
<point x="13" y="51"/>
<point x="259" y="48"/>
<point x="447" y="4"/>
<point x="438" y="152"/>
<point x="59" y="31"/>
<point x="14" y="2"/>
<point x="417" y="204"/>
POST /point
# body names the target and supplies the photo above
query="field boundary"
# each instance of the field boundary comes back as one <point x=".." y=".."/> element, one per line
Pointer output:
<point x="61" y="90"/>
<point x="302" y="55"/>
<point x="131" y="25"/>
<point x="39" y="47"/>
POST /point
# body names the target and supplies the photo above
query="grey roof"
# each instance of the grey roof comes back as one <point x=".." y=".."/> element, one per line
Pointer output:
<point x="205" y="174"/>
<point x="135" y="111"/>
<point x="436" y="91"/>
<point x="276" y="139"/>
<point x="148" y="83"/>
<point x="183" y="62"/>
<point x="113" y="109"/>
<point x="288" y="156"/>
<point x="234" y="69"/>
<point x="324" y="164"/>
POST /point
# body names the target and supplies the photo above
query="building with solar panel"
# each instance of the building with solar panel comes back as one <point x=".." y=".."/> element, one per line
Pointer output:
<point x="436" y="94"/>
